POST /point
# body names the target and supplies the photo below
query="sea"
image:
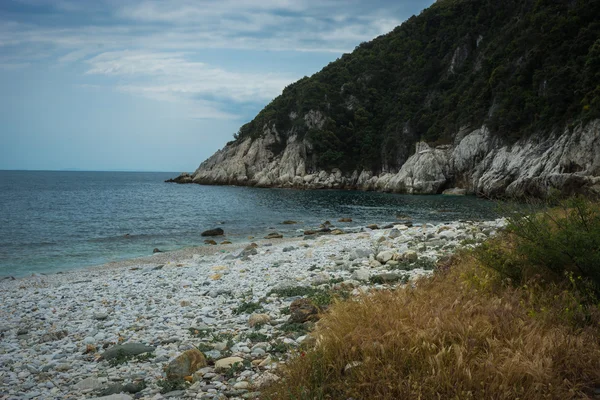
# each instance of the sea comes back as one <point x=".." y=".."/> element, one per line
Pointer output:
<point x="54" y="221"/>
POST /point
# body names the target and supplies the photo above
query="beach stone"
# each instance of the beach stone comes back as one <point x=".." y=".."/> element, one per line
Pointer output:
<point x="211" y="242"/>
<point x="345" y="220"/>
<point x="289" y="222"/>
<point x="258" y="319"/>
<point x="373" y="226"/>
<point x="274" y="235"/>
<point x="359" y="253"/>
<point x="410" y="255"/>
<point x="213" y="232"/>
<point x="114" y="397"/>
<point x="241" y="385"/>
<point x="361" y="274"/>
<point x="266" y="379"/>
<point x="394" y="233"/>
<point x="302" y="310"/>
<point x="185" y="364"/>
<point x="310" y="232"/>
<point x="337" y="232"/>
<point x="226" y="363"/>
<point x="91" y="383"/>
<point x="156" y="250"/>
<point x="288" y="249"/>
<point x="134" y="387"/>
<point x="385" y="256"/>
<point x="127" y="349"/>
<point x="53" y="336"/>
<point x="114" y="388"/>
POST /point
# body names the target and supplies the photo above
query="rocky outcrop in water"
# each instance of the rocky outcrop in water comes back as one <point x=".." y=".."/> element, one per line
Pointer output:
<point x="480" y="163"/>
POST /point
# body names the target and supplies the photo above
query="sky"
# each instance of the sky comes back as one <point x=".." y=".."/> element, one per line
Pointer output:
<point x="160" y="85"/>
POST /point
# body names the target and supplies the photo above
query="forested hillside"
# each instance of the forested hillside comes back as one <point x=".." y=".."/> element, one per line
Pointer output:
<point x="517" y="66"/>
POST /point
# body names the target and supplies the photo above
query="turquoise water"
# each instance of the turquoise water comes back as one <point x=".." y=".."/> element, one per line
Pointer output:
<point x="51" y="221"/>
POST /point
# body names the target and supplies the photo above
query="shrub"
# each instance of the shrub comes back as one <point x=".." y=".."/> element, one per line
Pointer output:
<point x="450" y="339"/>
<point x="558" y="244"/>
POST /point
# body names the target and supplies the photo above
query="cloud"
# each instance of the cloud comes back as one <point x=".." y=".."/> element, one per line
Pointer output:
<point x="172" y="77"/>
<point x="153" y="48"/>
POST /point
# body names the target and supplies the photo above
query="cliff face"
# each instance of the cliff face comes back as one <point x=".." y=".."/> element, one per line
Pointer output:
<point x="568" y="161"/>
<point x="497" y="98"/>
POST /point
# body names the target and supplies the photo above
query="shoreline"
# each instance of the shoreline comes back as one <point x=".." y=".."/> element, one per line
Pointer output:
<point x="56" y="328"/>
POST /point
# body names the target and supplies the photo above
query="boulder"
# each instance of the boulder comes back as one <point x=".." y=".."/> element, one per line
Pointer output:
<point x="302" y="310"/>
<point x="213" y="232"/>
<point x="410" y="255"/>
<point x="156" y="250"/>
<point x="226" y="363"/>
<point x="258" y="319"/>
<point x="127" y="349"/>
<point x="185" y="364"/>
<point x="385" y="256"/>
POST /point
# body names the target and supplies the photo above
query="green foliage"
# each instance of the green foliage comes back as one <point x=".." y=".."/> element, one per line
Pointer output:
<point x="247" y="308"/>
<point x="319" y="297"/>
<point x="123" y="358"/>
<point x="560" y="243"/>
<point x="515" y="65"/>
<point x="167" y="386"/>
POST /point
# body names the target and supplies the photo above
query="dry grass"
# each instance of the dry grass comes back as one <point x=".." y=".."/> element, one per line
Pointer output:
<point x="460" y="335"/>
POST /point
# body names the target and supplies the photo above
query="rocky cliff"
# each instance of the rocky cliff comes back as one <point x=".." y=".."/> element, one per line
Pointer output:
<point x="496" y="98"/>
<point x="567" y="161"/>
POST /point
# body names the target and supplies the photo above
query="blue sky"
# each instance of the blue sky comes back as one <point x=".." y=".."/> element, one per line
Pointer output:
<point x="159" y="85"/>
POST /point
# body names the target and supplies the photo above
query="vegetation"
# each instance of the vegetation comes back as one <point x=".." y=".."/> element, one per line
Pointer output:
<point x="123" y="358"/>
<point x="515" y="318"/>
<point x="515" y="65"/>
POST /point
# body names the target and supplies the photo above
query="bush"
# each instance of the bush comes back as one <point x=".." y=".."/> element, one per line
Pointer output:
<point x="459" y="335"/>
<point x="558" y="244"/>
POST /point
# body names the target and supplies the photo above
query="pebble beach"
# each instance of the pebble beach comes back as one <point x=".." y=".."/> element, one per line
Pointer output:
<point x="209" y="322"/>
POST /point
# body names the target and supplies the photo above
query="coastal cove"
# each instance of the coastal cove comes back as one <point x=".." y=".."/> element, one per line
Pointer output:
<point x="60" y="332"/>
<point x="58" y="221"/>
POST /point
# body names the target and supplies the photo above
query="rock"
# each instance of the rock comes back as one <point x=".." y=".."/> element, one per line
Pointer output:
<point x="385" y="256"/>
<point x="373" y="226"/>
<point x="127" y="349"/>
<point x="185" y="364"/>
<point x="345" y="220"/>
<point x="310" y="232"/>
<point x="156" y="250"/>
<point x="360" y="253"/>
<point x="274" y="235"/>
<point x="289" y="222"/>
<point x="226" y="242"/>
<point x="115" y="388"/>
<point x="337" y="232"/>
<point x="213" y="232"/>
<point x="182" y="178"/>
<point x="302" y="310"/>
<point x="258" y="319"/>
<point x="266" y="379"/>
<point x="361" y="274"/>
<point x="455" y="192"/>
<point x="53" y="336"/>
<point x="91" y="383"/>
<point x="226" y="363"/>
<point x="211" y="242"/>
<point x="288" y="249"/>
<point x="114" y="397"/>
<point x="410" y="255"/>
<point x="134" y="387"/>
<point x="241" y="385"/>
<point x="388" y="277"/>
<point x="394" y="233"/>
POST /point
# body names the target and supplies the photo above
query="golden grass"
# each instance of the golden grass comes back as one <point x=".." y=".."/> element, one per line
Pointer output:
<point x="459" y="335"/>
